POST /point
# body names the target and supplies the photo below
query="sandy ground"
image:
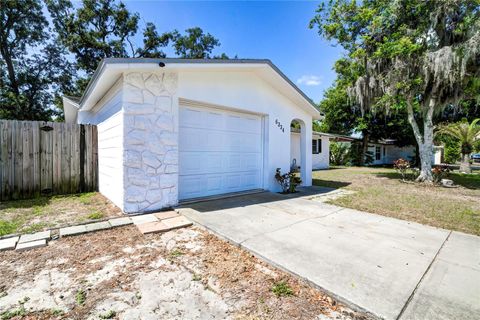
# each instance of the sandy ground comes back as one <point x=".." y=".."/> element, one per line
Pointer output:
<point x="182" y="274"/>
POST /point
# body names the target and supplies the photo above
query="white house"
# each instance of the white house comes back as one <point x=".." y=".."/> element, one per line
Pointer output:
<point x="320" y="149"/>
<point x="177" y="129"/>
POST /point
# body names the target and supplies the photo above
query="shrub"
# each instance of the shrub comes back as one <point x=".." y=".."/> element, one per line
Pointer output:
<point x="439" y="173"/>
<point x="404" y="168"/>
<point x="288" y="181"/>
<point x="339" y="153"/>
<point x="451" y="152"/>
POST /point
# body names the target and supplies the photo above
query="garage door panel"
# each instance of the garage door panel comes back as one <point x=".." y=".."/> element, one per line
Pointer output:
<point x="220" y="151"/>
<point x="190" y="117"/>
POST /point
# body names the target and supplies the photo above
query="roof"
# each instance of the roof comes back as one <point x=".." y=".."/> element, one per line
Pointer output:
<point x="130" y="63"/>
<point x="336" y="137"/>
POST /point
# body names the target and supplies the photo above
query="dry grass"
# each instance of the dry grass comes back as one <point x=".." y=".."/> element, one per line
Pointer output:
<point x="46" y="212"/>
<point x="380" y="190"/>
<point x="123" y="272"/>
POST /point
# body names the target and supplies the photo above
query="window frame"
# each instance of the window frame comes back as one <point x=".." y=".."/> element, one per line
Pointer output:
<point x="314" y="146"/>
<point x="378" y="153"/>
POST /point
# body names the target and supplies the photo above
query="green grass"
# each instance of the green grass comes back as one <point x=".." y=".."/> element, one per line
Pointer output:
<point x="381" y="191"/>
<point x="26" y="216"/>
<point x="282" y="289"/>
<point x="95" y="215"/>
<point x="80" y="297"/>
<point x="7" y="227"/>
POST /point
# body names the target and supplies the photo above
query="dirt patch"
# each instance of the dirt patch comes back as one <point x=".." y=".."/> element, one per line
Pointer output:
<point x="48" y="212"/>
<point x="183" y="274"/>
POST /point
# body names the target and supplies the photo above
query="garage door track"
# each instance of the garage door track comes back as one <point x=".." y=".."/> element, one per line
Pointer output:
<point x="390" y="268"/>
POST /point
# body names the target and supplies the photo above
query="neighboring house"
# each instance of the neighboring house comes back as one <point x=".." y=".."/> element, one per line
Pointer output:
<point x="385" y="152"/>
<point x="320" y="148"/>
<point x="177" y="129"/>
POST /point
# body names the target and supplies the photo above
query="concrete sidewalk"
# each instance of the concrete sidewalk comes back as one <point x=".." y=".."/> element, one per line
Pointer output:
<point x="390" y="268"/>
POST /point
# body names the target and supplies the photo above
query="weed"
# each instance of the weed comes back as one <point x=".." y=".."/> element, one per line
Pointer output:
<point x="7" y="227"/>
<point x="34" y="227"/>
<point x="56" y="312"/>
<point x="95" y="215"/>
<point x="80" y="297"/>
<point x="9" y="314"/>
<point x="196" y="277"/>
<point x="175" y="253"/>
<point x="108" y="315"/>
<point x="282" y="289"/>
<point x="86" y="198"/>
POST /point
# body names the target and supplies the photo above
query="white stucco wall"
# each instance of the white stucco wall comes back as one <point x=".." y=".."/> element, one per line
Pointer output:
<point x="322" y="160"/>
<point x="243" y="90"/>
<point x="295" y="148"/>
<point x="319" y="160"/>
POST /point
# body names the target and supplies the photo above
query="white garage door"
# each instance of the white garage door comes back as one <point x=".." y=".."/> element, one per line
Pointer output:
<point x="220" y="152"/>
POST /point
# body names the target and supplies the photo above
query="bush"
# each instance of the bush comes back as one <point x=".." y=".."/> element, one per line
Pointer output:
<point x="404" y="168"/>
<point x="451" y="153"/>
<point x="439" y="173"/>
<point x="356" y="154"/>
<point x="339" y="153"/>
<point x="288" y="181"/>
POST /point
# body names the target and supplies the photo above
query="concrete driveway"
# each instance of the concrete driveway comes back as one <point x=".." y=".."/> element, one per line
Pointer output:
<point x="390" y="268"/>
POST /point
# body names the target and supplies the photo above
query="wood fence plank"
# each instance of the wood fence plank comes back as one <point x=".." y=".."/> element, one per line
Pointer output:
<point x="5" y="136"/>
<point x="36" y="158"/>
<point x="55" y="157"/>
<point x="18" y="160"/>
<point x="27" y="163"/>
<point x="35" y="161"/>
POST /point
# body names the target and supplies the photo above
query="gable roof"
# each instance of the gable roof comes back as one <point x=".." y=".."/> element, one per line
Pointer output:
<point x="104" y="75"/>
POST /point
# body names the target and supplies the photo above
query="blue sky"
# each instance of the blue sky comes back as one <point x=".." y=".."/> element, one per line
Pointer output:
<point x="275" y="30"/>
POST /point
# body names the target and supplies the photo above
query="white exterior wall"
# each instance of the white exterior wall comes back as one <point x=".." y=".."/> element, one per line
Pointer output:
<point x="295" y="152"/>
<point x="245" y="91"/>
<point x="322" y="160"/>
<point x="107" y="114"/>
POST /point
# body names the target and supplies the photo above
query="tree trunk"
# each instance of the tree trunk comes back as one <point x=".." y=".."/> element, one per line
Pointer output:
<point x="425" y="141"/>
<point x="465" y="166"/>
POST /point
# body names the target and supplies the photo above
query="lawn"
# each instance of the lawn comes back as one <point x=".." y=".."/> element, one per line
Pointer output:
<point x="381" y="191"/>
<point x="25" y="216"/>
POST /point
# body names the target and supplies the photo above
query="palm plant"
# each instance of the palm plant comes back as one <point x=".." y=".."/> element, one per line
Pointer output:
<point x="467" y="134"/>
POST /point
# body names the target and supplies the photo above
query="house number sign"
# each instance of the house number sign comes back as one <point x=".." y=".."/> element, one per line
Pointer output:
<point x="279" y="125"/>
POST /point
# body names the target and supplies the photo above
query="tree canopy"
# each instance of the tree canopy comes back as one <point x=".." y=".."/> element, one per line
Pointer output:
<point x="32" y="64"/>
<point x="412" y="55"/>
<point x="42" y="58"/>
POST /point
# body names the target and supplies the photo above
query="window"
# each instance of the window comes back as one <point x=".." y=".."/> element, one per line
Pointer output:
<point x="378" y="154"/>
<point x="314" y="146"/>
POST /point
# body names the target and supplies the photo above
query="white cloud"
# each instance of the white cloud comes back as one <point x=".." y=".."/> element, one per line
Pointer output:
<point x="309" y="80"/>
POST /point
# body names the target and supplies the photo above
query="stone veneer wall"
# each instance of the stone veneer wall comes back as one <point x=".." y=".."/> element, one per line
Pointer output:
<point x="150" y="108"/>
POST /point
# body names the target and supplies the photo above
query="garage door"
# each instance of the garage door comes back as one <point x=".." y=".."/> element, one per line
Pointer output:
<point x="219" y="152"/>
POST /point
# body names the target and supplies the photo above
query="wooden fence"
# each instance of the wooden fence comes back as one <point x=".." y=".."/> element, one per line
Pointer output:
<point x="39" y="157"/>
